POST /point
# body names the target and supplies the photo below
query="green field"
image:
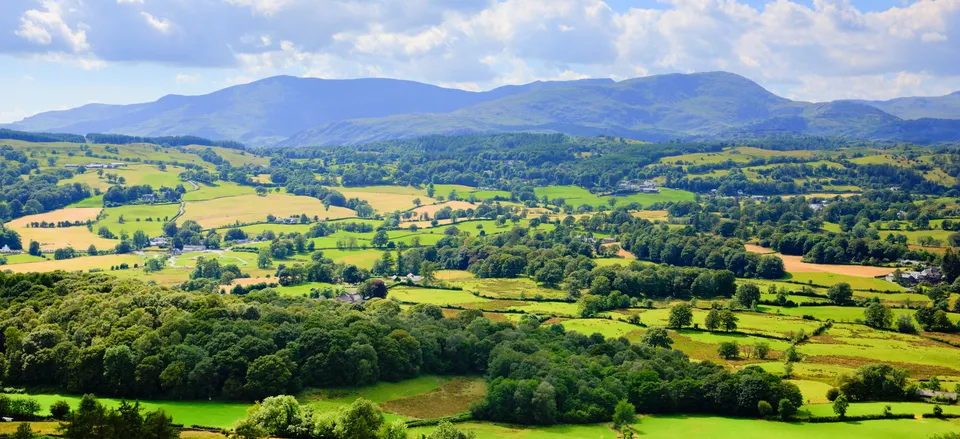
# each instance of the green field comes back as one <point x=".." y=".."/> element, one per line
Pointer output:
<point x="608" y="328"/>
<point x="856" y="282"/>
<point x="208" y="413"/>
<point x="135" y="218"/>
<point x="575" y="196"/>
<point x="220" y="190"/>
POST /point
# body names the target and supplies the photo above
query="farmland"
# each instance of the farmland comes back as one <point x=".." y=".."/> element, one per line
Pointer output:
<point x="550" y="259"/>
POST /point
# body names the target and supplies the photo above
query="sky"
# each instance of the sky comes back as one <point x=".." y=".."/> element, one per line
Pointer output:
<point x="58" y="54"/>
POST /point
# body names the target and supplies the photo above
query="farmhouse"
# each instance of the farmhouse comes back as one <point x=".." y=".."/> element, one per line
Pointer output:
<point x="646" y="187"/>
<point x="158" y="241"/>
<point x="6" y="250"/>
<point x="414" y="278"/>
<point x="293" y="219"/>
<point x="931" y="275"/>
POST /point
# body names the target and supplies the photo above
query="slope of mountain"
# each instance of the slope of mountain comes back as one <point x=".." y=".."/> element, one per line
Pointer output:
<point x="288" y="111"/>
<point x="654" y="108"/>
<point x="270" y="110"/>
<point x="937" y="107"/>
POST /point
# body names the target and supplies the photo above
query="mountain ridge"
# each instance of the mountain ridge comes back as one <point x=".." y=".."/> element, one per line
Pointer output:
<point x="291" y="111"/>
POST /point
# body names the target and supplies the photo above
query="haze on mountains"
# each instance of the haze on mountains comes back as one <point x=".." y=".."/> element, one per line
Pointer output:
<point x="291" y="111"/>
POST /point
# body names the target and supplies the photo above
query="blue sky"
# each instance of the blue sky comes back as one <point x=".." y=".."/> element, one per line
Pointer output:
<point x="57" y="54"/>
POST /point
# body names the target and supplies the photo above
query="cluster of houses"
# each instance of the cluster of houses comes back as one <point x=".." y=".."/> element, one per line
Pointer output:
<point x="591" y="240"/>
<point x="96" y="165"/>
<point x="931" y="275"/>
<point x="644" y="187"/>
<point x="7" y="251"/>
<point x="292" y="219"/>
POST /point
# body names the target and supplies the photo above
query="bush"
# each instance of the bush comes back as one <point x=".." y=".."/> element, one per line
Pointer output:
<point x="905" y="324"/>
<point x="729" y="350"/>
<point x="832" y="394"/>
<point x="765" y="408"/>
<point x="787" y="409"/>
<point x="59" y="410"/>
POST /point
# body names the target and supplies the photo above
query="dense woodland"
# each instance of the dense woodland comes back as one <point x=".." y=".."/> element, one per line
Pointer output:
<point x="96" y="334"/>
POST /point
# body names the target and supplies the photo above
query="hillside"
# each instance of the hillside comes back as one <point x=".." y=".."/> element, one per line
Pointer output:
<point x="937" y="107"/>
<point x="288" y="111"/>
<point x="270" y="110"/>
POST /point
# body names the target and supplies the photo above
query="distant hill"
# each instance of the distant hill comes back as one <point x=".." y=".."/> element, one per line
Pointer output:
<point x="265" y="112"/>
<point x="288" y="111"/>
<point x="939" y="107"/>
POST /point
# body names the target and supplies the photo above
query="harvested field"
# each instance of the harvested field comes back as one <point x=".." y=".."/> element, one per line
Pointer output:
<point x="83" y="263"/>
<point x="433" y="208"/>
<point x="795" y="264"/>
<point x="71" y="214"/>
<point x="220" y="212"/>
<point x="51" y="239"/>
<point x="388" y="202"/>
<point x="651" y="215"/>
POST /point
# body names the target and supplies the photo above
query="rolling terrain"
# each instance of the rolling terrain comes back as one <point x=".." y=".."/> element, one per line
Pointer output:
<point x="289" y="111"/>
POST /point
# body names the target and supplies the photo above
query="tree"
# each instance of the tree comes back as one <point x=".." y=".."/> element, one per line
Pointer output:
<point x="712" y="321"/>
<point x="380" y="239"/>
<point x="446" y="430"/>
<point x="770" y="267"/>
<point x="24" y="432"/>
<point x="657" y="337"/>
<point x="59" y="409"/>
<point x="786" y="409"/>
<point x="878" y="316"/>
<point x="624" y="414"/>
<point x="551" y="274"/>
<point x="761" y="349"/>
<point x="951" y="265"/>
<point x="140" y="240"/>
<point x="34" y="248"/>
<point x="728" y="320"/>
<point x="791" y="354"/>
<point x="544" y="404"/>
<point x="729" y="350"/>
<point x="92" y="250"/>
<point x="905" y="324"/>
<point x="840" y="405"/>
<point x="840" y="293"/>
<point x="372" y="288"/>
<point x="747" y="295"/>
<point x="263" y="258"/>
<point x="360" y="420"/>
<point x="680" y="316"/>
<point x="268" y="376"/>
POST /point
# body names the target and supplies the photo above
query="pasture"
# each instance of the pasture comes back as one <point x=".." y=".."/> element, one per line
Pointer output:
<point x="209" y="413"/>
<point x="147" y="217"/>
<point x="386" y="202"/>
<point x="220" y="190"/>
<point x="133" y="174"/>
<point x="576" y="196"/>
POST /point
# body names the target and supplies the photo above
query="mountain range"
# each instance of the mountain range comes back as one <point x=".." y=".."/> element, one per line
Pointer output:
<point x="290" y="111"/>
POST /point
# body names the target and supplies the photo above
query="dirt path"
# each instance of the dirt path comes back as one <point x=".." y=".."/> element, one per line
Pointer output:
<point x="795" y="264"/>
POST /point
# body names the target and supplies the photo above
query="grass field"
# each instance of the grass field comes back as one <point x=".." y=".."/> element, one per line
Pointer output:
<point x="135" y="218"/>
<point x="220" y="212"/>
<point x="212" y="413"/>
<point x="133" y="174"/>
<point x="434" y="296"/>
<point x="81" y="214"/>
<point x="235" y="157"/>
<point x="608" y="328"/>
<point x="875" y="408"/>
<point x="222" y="189"/>
<point x="576" y="196"/>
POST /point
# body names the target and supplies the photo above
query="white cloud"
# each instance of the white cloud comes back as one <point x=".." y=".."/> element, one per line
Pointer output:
<point x="14" y="115"/>
<point x="44" y="26"/>
<point x="162" y="25"/>
<point x="808" y="49"/>
<point x="183" y="78"/>
<point x="27" y="78"/>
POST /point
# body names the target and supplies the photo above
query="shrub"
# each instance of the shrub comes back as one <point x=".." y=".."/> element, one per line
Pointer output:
<point x="729" y="350"/>
<point x="764" y="408"/>
<point x="787" y="409"/>
<point x="832" y="394"/>
<point x="905" y="324"/>
<point x="59" y="410"/>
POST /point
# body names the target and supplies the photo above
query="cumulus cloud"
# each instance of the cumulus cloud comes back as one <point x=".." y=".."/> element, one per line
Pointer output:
<point x="46" y="25"/>
<point x="162" y="25"/>
<point x="815" y="50"/>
